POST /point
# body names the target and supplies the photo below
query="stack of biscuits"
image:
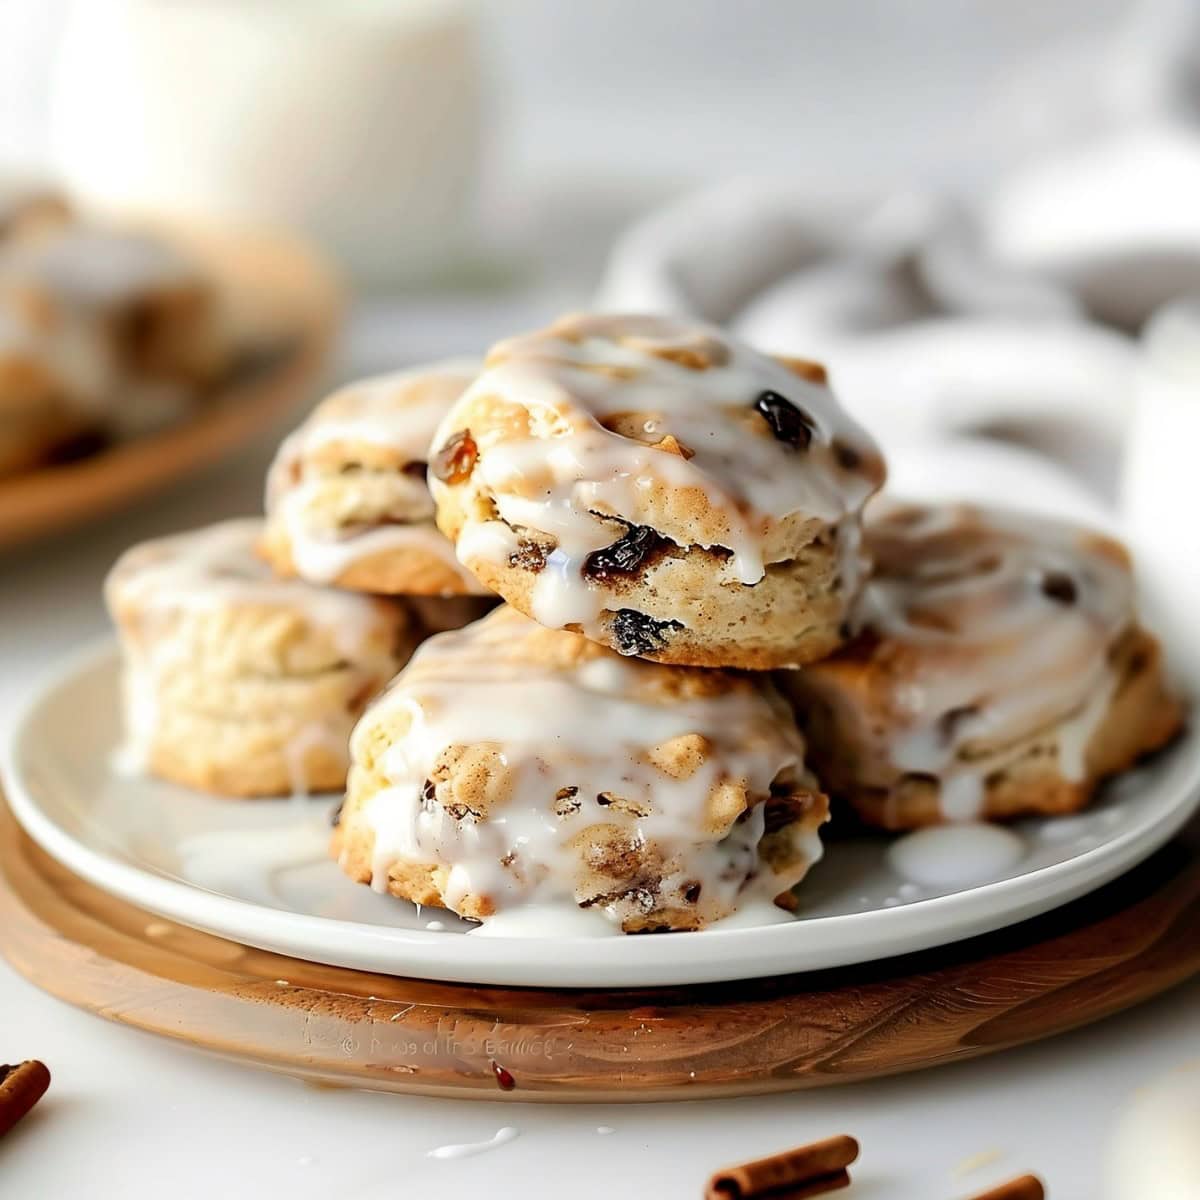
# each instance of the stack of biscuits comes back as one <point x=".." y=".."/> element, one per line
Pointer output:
<point x="702" y="645"/>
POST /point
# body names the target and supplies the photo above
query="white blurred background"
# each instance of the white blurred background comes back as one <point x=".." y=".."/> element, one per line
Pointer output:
<point x="591" y="111"/>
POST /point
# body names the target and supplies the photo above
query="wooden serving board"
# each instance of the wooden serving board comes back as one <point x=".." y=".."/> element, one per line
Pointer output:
<point x="1102" y="954"/>
<point x="286" y="301"/>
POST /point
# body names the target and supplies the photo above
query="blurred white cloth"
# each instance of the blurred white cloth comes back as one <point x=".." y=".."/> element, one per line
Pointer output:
<point x="921" y="328"/>
<point x="1018" y="308"/>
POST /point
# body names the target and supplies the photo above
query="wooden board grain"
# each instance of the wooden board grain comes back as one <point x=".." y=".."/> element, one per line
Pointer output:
<point x="285" y="301"/>
<point x="1132" y="940"/>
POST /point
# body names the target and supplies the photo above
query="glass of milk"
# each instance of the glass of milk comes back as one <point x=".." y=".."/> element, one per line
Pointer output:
<point x="354" y="121"/>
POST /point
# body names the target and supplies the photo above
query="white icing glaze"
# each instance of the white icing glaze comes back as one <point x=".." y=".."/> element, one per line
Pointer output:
<point x="469" y="1149"/>
<point x="95" y="268"/>
<point x="218" y="566"/>
<point x="549" y="920"/>
<point x="580" y="376"/>
<point x="245" y="862"/>
<point x="397" y="412"/>
<point x="72" y="353"/>
<point x="194" y="573"/>
<point x="479" y="687"/>
<point x="989" y="657"/>
<point x="955" y="856"/>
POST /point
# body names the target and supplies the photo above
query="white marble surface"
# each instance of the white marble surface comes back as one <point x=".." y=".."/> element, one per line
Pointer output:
<point x="133" y="1117"/>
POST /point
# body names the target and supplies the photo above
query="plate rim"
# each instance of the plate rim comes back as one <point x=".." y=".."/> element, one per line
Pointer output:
<point x="753" y="952"/>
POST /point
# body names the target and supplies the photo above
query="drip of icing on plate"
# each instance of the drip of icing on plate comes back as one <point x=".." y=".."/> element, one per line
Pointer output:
<point x="612" y="414"/>
<point x="396" y="414"/>
<point x="955" y="856"/>
<point x="999" y="626"/>
<point x="245" y="862"/>
<point x="552" y="777"/>
<point x="470" y="1149"/>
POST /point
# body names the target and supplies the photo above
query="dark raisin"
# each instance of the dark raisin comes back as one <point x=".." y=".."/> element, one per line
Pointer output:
<point x="691" y="893"/>
<point x="335" y="817"/>
<point x="636" y="633"/>
<point x="566" y="801"/>
<point x="417" y="470"/>
<point x="604" y="799"/>
<point x="428" y="795"/>
<point x="455" y="461"/>
<point x="625" y="555"/>
<point x="789" y="424"/>
<point x="503" y="1077"/>
<point x="847" y="457"/>
<point x="528" y="555"/>
<point x="951" y="721"/>
<point x="1059" y="587"/>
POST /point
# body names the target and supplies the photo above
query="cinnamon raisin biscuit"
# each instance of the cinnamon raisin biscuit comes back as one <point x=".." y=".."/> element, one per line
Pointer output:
<point x="660" y="488"/>
<point x="237" y="682"/>
<point x="347" y="501"/>
<point x="45" y="401"/>
<point x="510" y="765"/>
<point x="156" y="314"/>
<point x="1000" y="671"/>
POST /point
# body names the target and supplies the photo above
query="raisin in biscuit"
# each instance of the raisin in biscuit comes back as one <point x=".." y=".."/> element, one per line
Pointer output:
<point x="237" y="682"/>
<point x="512" y="765"/>
<point x="1000" y="671"/>
<point x="347" y="501"/>
<point x="660" y="488"/>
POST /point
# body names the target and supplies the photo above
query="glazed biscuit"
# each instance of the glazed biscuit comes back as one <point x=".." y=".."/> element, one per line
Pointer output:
<point x="40" y="410"/>
<point x="510" y="765"/>
<point x="347" y="502"/>
<point x="29" y="209"/>
<point x="999" y="671"/>
<point x="156" y="315"/>
<point x="660" y="488"/>
<point x="237" y="682"/>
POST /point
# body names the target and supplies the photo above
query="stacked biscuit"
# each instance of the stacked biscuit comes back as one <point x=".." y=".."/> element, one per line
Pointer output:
<point x="701" y="638"/>
<point x="103" y="333"/>
<point x="245" y="670"/>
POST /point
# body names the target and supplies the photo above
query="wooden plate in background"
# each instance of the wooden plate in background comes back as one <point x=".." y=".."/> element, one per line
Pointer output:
<point x="1115" y="948"/>
<point x="285" y="297"/>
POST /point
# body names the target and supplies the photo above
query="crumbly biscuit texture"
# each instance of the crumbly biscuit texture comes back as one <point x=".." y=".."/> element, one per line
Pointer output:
<point x="512" y="765"/>
<point x="236" y="681"/>
<point x="999" y="670"/>
<point x="347" y="501"/>
<point x="661" y="488"/>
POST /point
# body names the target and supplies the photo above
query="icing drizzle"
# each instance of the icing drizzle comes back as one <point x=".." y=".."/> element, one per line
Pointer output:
<point x="388" y="509"/>
<point x="609" y="418"/>
<point x="554" y="774"/>
<point x="996" y="626"/>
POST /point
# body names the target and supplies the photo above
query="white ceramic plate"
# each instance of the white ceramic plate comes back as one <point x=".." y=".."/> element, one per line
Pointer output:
<point x="257" y="872"/>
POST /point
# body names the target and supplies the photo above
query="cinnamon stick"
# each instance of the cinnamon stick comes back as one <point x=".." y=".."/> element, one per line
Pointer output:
<point x="805" y="1171"/>
<point x="1026" y="1187"/>
<point x="21" y="1087"/>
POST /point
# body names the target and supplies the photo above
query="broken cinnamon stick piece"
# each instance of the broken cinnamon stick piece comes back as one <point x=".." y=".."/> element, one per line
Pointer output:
<point x="1026" y="1187"/>
<point x="792" y="1174"/>
<point x="21" y="1087"/>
